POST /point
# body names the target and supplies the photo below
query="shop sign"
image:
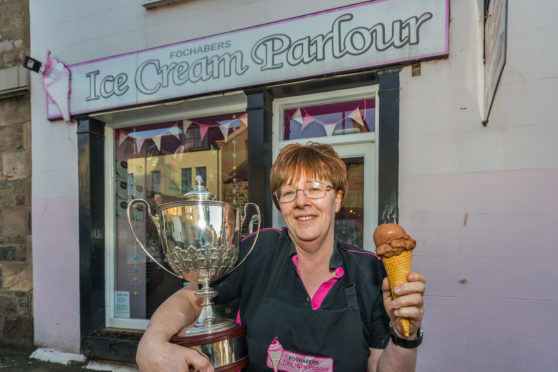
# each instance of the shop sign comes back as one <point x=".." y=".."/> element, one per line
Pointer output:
<point x="350" y="38"/>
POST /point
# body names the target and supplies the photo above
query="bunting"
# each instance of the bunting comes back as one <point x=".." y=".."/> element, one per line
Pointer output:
<point x="302" y="117"/>
<point x="223" y="125"/>
<point x="154" y="134"/>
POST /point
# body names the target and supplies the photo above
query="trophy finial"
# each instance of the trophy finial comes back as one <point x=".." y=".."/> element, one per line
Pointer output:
<point x="199" y="192"/>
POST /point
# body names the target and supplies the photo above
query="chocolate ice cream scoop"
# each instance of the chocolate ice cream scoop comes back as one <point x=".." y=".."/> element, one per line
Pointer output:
<point x="392" y="240"/>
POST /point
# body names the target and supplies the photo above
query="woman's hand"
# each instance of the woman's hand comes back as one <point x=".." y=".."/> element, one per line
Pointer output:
<point x="409" y="303"/>
<point x="155" y="353"/>
<point x="158" y="355"/>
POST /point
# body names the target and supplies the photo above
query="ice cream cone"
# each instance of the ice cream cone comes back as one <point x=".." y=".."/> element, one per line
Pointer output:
<point x="398" y="268"/>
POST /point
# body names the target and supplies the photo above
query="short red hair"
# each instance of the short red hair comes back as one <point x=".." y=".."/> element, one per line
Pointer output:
<point x="314" y="160"/>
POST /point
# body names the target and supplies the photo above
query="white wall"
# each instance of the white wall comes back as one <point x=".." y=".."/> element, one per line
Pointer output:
<point x="482" y="202"/>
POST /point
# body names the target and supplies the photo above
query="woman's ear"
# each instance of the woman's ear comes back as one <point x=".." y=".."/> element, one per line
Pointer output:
<point x="338" y="200"/>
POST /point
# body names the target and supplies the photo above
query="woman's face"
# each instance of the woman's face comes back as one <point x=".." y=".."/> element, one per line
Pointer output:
<point x="311" y="220"/>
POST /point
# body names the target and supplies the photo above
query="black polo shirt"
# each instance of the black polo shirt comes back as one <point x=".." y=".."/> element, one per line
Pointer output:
<point x="249" y="283"/>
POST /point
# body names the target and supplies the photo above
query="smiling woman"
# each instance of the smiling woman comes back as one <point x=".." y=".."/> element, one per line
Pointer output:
<point x="301" y="288"/>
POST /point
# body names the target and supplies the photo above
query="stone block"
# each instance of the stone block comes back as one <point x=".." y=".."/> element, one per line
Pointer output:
<point x="17" y="277"/>
<point x="17" y="330"/>
<point x="16" y="240"/>
<point x="11" y="139"/>
<point x="13" y="79"/>
<point x="14" y="20"/>
<point x="27" y="135"/>
<point x="21" y="253"/>
<point x="14" y="221"/>
<point x="14" y="110"/>
<point x="7" y="253"/>
<point x="6" y="46"/>
<point x="8" y="303"/>
<point x="13" y="58"/>
<point x="14" y="193"/>
<point x="16" y="165"/>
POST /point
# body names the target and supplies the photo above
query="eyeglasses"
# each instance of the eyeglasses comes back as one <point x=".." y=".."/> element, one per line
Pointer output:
<point x="313" y="190"/>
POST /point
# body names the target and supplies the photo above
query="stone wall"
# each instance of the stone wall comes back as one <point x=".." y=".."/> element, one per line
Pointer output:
<point x="16" y="313"/>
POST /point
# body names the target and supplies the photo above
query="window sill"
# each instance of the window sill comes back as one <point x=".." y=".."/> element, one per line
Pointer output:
<point x="112" y="344"/>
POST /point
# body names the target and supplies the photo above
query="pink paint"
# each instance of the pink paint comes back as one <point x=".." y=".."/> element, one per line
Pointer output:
<point x="56" y="273"/>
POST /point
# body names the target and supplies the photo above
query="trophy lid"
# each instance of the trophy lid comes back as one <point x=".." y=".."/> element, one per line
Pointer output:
<point x="199" y="192"/>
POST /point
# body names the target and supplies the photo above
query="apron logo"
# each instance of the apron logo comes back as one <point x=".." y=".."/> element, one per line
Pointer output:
<point x="280" y="359"/>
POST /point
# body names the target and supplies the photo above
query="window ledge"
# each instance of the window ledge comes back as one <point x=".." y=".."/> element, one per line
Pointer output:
<point x="112" y="344"/>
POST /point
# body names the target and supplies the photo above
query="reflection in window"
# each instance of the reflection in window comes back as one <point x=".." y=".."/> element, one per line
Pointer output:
<point x="349" y="221"/>
<point x="186" y="179"/>
<point x="158" y="162"/>
<point x="202" y="172"/>
<point x="329" y="120"/>
<point x="155" y="182"/>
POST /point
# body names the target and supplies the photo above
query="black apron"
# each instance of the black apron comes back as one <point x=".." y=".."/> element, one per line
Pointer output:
<point x="311" y="340"/>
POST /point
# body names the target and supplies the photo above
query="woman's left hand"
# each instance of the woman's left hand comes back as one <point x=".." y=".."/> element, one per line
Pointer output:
<point x="409" y="303"/>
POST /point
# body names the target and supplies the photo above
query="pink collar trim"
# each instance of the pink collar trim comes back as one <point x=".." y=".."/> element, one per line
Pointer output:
<point x="324" y="288"/>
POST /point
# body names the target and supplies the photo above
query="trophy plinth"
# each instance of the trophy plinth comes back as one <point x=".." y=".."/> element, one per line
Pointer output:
<point x="200" y="237"/>
<point x="225" y="349"/>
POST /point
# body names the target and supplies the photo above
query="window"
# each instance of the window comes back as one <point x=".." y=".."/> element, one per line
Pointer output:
<point x="155" y="182"/>
<point x="201" y="171"/>
<point x="157" y="163"/>
<point x="186" y="179"/>
<point x="345" y="119"/>
<point x="332" y="119"/>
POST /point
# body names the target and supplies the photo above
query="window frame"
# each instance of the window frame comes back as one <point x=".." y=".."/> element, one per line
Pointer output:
<point x="201" y="107"/>
<point x="351" y="145"/>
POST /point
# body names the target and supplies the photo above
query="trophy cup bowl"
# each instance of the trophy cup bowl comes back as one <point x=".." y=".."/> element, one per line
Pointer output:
<point x="200" y="237"/>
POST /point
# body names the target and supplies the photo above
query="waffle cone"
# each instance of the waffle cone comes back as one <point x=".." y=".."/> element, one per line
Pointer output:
<point x="398" y="268"/>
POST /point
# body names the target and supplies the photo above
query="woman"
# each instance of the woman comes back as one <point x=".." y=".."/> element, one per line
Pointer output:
<point x="320" y="301"/>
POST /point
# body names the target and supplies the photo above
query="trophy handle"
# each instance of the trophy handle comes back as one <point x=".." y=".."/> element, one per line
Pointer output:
<point x="257" y="232"/>
<point x="155" y="220"/>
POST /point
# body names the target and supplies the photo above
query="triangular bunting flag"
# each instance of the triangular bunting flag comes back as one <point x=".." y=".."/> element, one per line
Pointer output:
<point x="175" y="131"/>
<point x="122" y="138"/>
<point x="203" y="130"/>
<point x="225" y="125"/>
<point x="157" y="140"/>
<point x="356" y="115"/>
<point x="297" y="116"/>
<point x="329" y="128"/>
<point x="185" y="125"/>
<point x="307" y="120"/>
<point x="139" y="144"/>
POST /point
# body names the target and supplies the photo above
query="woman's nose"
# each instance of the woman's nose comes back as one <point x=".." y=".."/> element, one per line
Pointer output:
<point x="300" y="198"/>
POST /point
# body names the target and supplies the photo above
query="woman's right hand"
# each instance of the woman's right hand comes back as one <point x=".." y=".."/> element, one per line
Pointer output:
<point x="155" y="353"/>
<point x="157" y="356"/>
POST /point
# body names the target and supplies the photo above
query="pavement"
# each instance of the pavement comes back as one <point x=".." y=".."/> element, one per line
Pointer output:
<point x="18" y="359"/>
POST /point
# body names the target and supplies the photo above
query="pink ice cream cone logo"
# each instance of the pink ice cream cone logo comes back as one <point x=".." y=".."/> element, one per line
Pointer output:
<point x="274" y="352"/>
<point x="56" y="81"/>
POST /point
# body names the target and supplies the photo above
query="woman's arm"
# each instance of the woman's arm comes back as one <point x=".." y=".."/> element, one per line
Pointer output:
<point x="155" y="352"/>
<point x="392" y="358"/>
<point x="409" y="305"/>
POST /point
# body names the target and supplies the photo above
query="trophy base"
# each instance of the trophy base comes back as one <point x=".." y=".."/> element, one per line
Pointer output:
<point x="226" y="349"/>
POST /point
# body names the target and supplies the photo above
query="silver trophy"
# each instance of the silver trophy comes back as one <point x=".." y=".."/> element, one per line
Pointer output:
<point x="200" y="237"/>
